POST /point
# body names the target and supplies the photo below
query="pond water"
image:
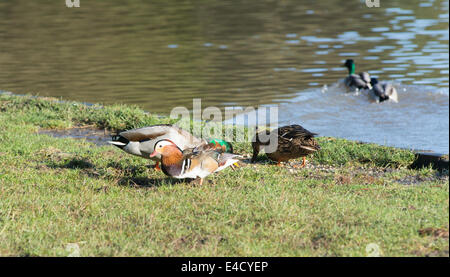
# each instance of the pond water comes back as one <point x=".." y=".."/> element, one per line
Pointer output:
<point x="163" y="54"/>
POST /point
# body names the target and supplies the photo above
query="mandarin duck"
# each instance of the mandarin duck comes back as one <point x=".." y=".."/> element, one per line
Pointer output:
<point x="197" y="162"/>
<point x="141" y="141"/>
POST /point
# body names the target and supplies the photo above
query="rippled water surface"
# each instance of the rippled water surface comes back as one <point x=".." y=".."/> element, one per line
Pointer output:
<point x="162" y="54"/>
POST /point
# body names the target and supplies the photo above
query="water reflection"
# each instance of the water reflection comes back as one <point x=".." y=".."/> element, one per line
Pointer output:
<point x="161" y="54"/>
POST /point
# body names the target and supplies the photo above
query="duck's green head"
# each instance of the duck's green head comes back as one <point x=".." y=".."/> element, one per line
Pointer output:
<point x="223" y="143"/>
<point x="350" y="64"/>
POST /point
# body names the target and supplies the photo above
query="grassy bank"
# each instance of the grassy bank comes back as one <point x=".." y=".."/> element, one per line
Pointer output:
<point x="55" y="192"/>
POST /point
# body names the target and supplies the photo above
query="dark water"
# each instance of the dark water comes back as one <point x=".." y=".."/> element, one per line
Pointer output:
<point x="161" y="54"/>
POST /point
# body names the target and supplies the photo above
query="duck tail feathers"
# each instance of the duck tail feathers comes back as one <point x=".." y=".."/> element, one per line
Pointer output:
<point x="117" y="143"/>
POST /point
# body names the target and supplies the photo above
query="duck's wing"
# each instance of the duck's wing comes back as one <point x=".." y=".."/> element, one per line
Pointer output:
<point x="200" y="163"/>
<point x="378" y="91"/>
<point x="180" y="137"/>
<point x="295" y="136"/>
<point x="224" y="160"/>
<point x="138" y="135"/>
<point x="147" y="133"/>
<point x="309" y="145"/>
<point x="294" y="131"/>
<point x="365" y="77"/>
<point x="355" y="81"/>
<point x="202" y="149"/>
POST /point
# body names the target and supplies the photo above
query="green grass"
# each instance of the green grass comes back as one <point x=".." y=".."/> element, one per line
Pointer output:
<point x="60" y="191"/>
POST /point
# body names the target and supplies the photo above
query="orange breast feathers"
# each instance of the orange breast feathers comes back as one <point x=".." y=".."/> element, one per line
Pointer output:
<point x="171" y="155"/>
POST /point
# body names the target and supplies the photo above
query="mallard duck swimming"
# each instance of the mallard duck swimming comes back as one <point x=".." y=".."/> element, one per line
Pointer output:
<point x="141" y="141"/>
<point x="294" y="141"/>
<point x="197" y="162"/>
<point x="382" y="92"/>
<point x="356" y="81"/>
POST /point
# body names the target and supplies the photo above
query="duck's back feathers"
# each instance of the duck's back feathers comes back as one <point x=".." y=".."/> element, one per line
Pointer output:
<point x="141" y="141"/>
<point x="145" y="133"/>
<point x="159" y="131"/>
<point x="365" y="77"/>
<point x="296" y="143"/>
<point x="358" y="81"/>
<point x="378" y="91"/>
<point x="201" y="149"/>
<point x="383" y="92"/>
<point x="294" y="131"/>
<point x="202" y="161"/>
<point x="293" y="141"/>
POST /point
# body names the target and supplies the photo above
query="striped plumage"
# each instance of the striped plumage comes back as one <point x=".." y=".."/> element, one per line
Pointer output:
<point x="197" y="162"/>
<point x="294" y="141"/>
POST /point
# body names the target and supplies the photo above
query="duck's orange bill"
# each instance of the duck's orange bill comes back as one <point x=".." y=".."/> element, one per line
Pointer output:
<point x="153" y="154"/>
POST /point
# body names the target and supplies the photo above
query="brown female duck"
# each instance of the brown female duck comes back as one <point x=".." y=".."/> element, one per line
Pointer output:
<point x="294" y="141"/>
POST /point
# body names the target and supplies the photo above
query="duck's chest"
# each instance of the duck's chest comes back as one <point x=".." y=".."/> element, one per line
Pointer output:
<point x="189" y="168"/>
<point x="173" y="170"/>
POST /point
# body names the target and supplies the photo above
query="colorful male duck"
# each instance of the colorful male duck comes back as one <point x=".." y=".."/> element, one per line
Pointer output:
<point x="194" y="163"/>
<point x="141" y="141"/>
<point x="356" y="81"/>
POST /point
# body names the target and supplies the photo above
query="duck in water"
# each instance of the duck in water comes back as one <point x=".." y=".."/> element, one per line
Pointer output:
<point x="356" y="81"/>
<point x="382" y="92"/>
